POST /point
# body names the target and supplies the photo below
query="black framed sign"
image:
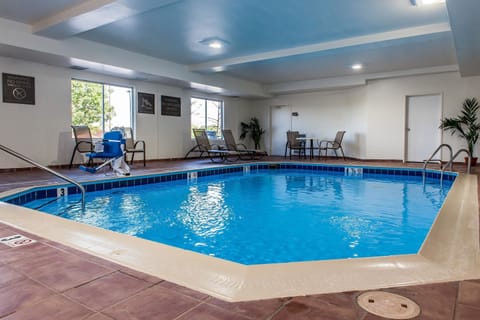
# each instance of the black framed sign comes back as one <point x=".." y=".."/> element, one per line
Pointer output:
<point x="18" y="89"/>
<point x="171" y="106"/>
<point x="146" y="103"/>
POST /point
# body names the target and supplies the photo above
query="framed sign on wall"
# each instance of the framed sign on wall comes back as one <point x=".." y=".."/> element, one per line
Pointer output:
<point x="171" y="106"/>
<point x="146" y="103"/>
<point x="18" y="89"/>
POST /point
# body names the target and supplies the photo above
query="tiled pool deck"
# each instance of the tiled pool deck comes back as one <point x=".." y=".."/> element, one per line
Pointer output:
<point x="47" y="280"/>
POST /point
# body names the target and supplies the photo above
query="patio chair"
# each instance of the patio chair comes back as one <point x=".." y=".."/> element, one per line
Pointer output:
<point x="242" y="149"/>
<point x="133" y="146"/>
<point x="214" y="152"/>
<point x="83" y="143"/>
<point x="295" y="145"/>
<point x="334" y="145"/>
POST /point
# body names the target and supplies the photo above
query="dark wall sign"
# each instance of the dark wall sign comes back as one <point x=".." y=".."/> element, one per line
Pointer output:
<point x="171" y="106"/>
<point x="18" y="89"/>
<point x="146" y="103"/>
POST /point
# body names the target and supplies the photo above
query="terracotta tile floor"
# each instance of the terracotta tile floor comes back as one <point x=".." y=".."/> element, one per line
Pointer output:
<point x="47" y="280"/>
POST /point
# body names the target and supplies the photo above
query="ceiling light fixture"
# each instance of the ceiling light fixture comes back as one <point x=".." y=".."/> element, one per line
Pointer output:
<point x="357" y="66"/>
<point x="214" y="43"/>
<point x="419" y="3"/>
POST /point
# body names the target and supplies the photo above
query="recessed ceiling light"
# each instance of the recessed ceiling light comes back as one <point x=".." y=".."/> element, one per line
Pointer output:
<point x="357" y="66"/>
<point x="214" y="43"/>
<point x="426" y="2"/>
<point x="218" y="68"/>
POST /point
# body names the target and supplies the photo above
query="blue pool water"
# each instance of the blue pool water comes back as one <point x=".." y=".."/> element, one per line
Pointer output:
<point x="270" y="216"/>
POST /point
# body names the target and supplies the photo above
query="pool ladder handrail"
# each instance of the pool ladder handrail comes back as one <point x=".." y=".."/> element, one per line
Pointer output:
<point x="469" y="162"/>
<point x="431" y="160"/>
<point x="38" y="165"/>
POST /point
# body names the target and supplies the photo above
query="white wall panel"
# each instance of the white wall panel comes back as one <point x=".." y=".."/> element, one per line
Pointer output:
<point x="42" y="131"/>
<point x="373" y="115"/>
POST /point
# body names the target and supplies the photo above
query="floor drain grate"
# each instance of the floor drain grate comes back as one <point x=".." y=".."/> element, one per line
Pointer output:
<point x="388" y="305"/>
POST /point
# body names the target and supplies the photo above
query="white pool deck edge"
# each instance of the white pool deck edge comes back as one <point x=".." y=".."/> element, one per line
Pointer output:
<point x="450" y="253"/>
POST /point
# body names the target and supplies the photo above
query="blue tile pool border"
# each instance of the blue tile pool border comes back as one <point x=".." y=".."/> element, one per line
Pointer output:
<point x="38" y="193"/>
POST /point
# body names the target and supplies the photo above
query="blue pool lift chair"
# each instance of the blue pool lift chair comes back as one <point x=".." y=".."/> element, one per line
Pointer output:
<point x="112" y="151"/>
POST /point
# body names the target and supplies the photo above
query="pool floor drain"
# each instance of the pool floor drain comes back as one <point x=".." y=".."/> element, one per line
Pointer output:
<point x="388" y="305"/>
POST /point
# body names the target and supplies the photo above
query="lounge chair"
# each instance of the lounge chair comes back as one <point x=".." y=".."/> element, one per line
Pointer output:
<point x="295" y="145"/>
<point x="214" y="152"/>
<point x="242" y="149"/>
<point x="83" y="142"/>
<point x="334" y="145"/>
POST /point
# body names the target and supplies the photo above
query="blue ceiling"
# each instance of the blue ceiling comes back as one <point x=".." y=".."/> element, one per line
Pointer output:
<point x="174" y="32"/>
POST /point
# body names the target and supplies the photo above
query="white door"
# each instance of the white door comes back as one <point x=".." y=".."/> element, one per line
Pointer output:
<point x="423" y="121"/>
<point x="281" y="122"/>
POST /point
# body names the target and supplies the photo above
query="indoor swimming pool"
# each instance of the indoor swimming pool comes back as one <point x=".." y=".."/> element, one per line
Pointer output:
<point x="270" y="215"/>
<point x="449" y="251"/>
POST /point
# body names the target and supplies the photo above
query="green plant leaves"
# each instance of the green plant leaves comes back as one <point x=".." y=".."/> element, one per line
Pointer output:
<point x="466" y="124"/>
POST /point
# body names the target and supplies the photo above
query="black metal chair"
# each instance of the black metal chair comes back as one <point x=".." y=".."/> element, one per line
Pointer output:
<point x="83" y="142"/>
<point x="133" y="146"/>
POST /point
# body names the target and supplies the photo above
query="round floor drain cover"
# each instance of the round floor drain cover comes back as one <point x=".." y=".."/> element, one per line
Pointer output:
<point x="388" y="305"/>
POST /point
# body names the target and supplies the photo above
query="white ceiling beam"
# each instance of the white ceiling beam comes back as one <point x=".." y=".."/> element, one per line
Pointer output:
<point x="92" y="14"/>
<point x="351" y="81"/>
<point x="463" y="17"/>
<point x="18" y="35"/>
<point x="221" y="65"/>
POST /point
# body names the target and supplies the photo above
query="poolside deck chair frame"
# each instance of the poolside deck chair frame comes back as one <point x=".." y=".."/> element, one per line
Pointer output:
<point x="83" y="143"/>
<point x="131" y="145"/>
<point x="134" y="146"/>
<point x="295" y="145"/>
<point x="242" y="149"/>
<point x="334" y="145"/>
<point x="214" y="152"/>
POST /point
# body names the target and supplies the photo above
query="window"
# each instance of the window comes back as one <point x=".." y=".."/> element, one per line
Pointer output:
<point x="207" y="114"/>
<point x="101" y="106"/>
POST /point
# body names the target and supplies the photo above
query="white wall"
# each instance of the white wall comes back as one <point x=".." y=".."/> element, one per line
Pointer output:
<point x="321" y="114"/>
<point x="387" y="103"/>
<point x="373" y="115"/>
<point x="42" y="131"/>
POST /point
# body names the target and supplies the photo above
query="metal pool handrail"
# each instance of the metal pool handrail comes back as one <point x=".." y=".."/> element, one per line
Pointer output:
<point x="443" y="145"/>
<point x="36" y="164"/>
<point x="469" y="165"/>
<point x="429" y="160"/>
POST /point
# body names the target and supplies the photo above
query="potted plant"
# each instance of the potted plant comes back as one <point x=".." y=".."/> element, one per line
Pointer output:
<point x="465" y="125"/>
<point x="254" y="130"/>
